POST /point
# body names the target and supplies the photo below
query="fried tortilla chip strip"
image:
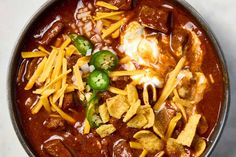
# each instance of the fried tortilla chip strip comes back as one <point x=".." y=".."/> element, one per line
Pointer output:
<point x="104" y="114"/>
<point x="105" y="130"/>
<point x="186" y="136"/>
<point x="149" y="140"/>
<point x="132" y="110"/>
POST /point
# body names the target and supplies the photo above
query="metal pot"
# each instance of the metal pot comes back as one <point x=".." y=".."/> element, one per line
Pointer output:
<point x="15" y="61"/>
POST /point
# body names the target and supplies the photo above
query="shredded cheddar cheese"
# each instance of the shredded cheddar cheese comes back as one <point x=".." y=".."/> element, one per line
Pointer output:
<point x="102" y="15"/>
<point x="113" y="28"/>
<point x="48" y="92"/>
<point x="86" y="127"/>
<point x="33" y="54"/>
<point x="125" y="60"/>
<point x="52" y="73"/>
<point x="70" y="50"/>
<point x="114" y="17"/>
<point x="55" y="115"/>
<point x="160" y="154"/>
<point x="55" y="80"/>
<point x="58" y="94"/>
<point x="70" y="88"/>
<point x="211" y="79"/>
<point x="117" y="90"/>
<point x="144" y="153"/>
<point x="64" y="85"/>
<point x="83" y="60"/>
<point x="106" y="5"/>
<point x="170" y="84"/>
<point x="36" y="74"/>
<point x="47" y="69"/>
<point x="64" y="69"/>
<point x="43" y="50"/>
<point x="79" y="82"/>
<point x="106" y="23"/>
<point x="126" y="73"/>
<point x="63" y="114"/>
<point x="58" y="64"/>
<point x="45" y="103"/>
<point x="116" y="34"/>
<point x="65" y="43"/>
<point x="36" y="108"/>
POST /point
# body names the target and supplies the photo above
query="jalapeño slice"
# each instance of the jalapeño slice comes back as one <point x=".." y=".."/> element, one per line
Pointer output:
<point x="98" y="80"/>
<point x="81" y="43"/>
<point x="104" y="60"/>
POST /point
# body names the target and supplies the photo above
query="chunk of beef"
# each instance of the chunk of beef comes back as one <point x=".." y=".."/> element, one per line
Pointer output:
<point x="185" y="85"/>
<point x="105" y="146"/>
<point x="69" y="78"/>
<point x="55" y="123"/>
<point x="71" y="61"/>
<point x="67" y="101"/>
<point x="200" y="87"/>
<point x="57" y="43"/>
<point x="21" y="71"/>
<point x="115" y="122"/>
<point x="122" y="129"/>
<point x="194" y="52"/>
<point x="154" y="18"/>
<point x="186" y="42"/>
<point x="91" y="141"/>
<point x="121" y="148"/>
<point x="163" y="118"/>
<point x="55" y="148"/>
<point x="179" y="40"/>
<point x="121" y="82"/>
<point x="76" y="99"/>
<point x="105" y="95"/>
<point x="121" y="4"/>
<point x="31" y="67"/>
<point x="202" y="126"/>
<point x="174" y="149"/>
<point x="51" y="33"/>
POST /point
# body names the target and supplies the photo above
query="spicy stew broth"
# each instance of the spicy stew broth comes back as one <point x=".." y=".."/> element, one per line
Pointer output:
<point x="85" y="145"/>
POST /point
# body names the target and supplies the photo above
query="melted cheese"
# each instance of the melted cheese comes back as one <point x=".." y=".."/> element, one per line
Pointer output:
<point x="148" y="51"/>
<point x="150" y="77"/>
<point x="143" y="50"/>
<point x="138" y="46"/>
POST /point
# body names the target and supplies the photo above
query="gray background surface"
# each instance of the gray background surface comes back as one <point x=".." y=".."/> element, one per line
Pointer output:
<point x="14" y="14"/>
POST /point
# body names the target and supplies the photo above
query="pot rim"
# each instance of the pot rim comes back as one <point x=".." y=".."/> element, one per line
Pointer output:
<point x="224" y="110"/>
<point x="214" y="138"/>
<point x="10" y="79"/>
